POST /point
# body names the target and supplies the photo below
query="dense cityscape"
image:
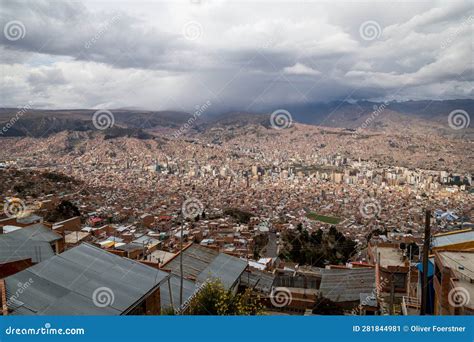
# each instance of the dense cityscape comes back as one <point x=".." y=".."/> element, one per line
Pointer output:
<point x="220" y="158"/>
<point x="254" y="193"/>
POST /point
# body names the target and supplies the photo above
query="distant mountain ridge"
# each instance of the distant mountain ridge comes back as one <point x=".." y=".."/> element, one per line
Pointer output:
<point x="343" y="114"/>
<point x="131" y="122"/>
<point x="42" y="123"/>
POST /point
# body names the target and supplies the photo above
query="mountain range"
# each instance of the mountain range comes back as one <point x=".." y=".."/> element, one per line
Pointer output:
<point x="429" y="115"/>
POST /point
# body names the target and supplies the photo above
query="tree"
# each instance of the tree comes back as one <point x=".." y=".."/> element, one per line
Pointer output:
<point x="240" y="215"/>
<point x="317" y="248"/>
<point x="214" y="299"/>
<point x="64" y="211"/>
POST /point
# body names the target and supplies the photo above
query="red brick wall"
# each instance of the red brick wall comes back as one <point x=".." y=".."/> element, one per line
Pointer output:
<point x="9" y="268"/>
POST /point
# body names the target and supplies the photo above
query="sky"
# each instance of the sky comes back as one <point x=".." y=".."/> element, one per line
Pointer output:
<point x="237" y="55"/>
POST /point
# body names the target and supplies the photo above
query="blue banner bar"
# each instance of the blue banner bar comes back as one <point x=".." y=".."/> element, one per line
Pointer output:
<point x="239" y="329"/>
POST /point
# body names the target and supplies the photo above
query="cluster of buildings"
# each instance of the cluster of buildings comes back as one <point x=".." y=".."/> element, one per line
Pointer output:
<point x="450" y="281"/>
<point x="249" y="188"/>
<point x="72" y="268"/>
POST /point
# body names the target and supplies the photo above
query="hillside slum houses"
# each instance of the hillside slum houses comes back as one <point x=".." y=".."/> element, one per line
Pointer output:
<point x="72" y="267"/>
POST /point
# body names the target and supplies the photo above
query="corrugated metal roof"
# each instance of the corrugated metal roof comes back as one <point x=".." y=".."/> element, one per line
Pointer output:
<point x="188" y="289"/>
<point x="29" y="219"/>
<point x="298" y="280"/>
<point x="65" y="284"/>
<point x="36" y="232"/>
<point x="130" y="247"/>
<point x="259" y="280"/>
<point x="224" y="267"/>
<point x="13" y="249"/>
<point x="146" y="240"/>
<point x="345" y="285"/>
<point x="195" y="260"/>
<point x="451" y="239"/>
<point x="31" y="242"/>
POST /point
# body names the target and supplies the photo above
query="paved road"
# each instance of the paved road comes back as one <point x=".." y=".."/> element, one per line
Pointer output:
<point x="271" y="249"/>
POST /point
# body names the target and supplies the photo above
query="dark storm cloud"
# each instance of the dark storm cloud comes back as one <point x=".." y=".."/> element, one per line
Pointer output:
<point x="245" y="55"/>
<point x="69" y="29"/>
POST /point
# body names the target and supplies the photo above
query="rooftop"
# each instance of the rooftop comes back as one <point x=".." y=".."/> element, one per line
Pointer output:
<point x="14" y="250"/>
<point x="201" y="263"/>
<point x="162" y="256"/>
<point x="452" y="238"/>
<point x="195" y="260"/>
<point x="462" y="263"/>
<point x="36" y="232"/>
<point x="390" y="256"/>
<point x="32" y="242"/>
<point x="258" y="280"/>
<point x="346" y="285"/>
<point x="67" y="284"/>
<point x="226" y="268"/>
<point x="189" y="288"/>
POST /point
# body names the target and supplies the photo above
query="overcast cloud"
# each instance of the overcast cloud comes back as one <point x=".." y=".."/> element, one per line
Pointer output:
<point x="239" y="54"/>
